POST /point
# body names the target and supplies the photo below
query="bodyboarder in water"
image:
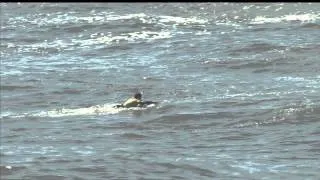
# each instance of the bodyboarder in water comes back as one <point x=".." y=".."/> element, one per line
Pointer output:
<point x="135" y="101"/>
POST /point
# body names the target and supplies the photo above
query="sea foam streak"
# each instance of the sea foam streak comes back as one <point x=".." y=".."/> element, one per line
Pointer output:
<point x="307" y="18"/>
<point x="87" y="111"/>
<point x="40" y="20"/>
<point x="73" y="44"/>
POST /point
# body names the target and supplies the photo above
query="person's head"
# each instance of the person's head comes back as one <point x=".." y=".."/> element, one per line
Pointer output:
<point x="138" y="96"/>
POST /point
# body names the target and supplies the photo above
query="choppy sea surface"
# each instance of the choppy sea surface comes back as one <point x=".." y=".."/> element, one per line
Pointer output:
<point x="238" y="86"/>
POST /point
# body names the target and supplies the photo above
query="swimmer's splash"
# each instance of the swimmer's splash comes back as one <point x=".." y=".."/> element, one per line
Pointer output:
<point x="104" y="109"/>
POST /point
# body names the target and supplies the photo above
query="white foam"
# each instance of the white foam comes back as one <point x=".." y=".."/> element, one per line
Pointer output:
<point x="69" y="18"/>
<point x="227" y="23"/>
<point x="129" y="37"/>
<point x="305" y="18"/>
<point x="93" y="110"/>
<point x="87" y="111"/>
<point x="289" y="78"/>
<point x="5" y="114"/>
<point x="247" y="7"/>
<point x="132" y="37"/>
<point x="11" y="72"/>
<point x="205" y="32"/>
<point x="121" y="17"/>
<point x="181" y="20"/>
<point x="300" y="81"/>
<point x="98" y="39"/>
<point x="98" y="18"/>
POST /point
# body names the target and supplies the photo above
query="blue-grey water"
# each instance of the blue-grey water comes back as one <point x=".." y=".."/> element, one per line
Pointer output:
<point x="238" y="86"/>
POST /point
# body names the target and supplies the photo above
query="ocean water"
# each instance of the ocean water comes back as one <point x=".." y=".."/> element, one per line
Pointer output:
<point x="237" y="84"/>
